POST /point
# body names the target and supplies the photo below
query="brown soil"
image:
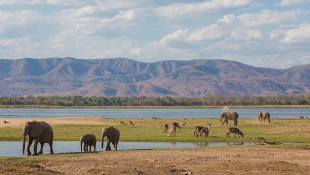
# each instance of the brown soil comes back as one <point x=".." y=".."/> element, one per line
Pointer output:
<point x="233" y="160"/>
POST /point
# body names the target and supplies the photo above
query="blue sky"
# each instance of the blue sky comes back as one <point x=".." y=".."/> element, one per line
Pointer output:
<point x="260" y="33"/>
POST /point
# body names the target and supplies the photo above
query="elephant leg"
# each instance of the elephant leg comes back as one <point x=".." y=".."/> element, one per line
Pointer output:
<point x="35" y="148"/>
<point x="85" y="148"/>
<point x="51" y="147"/>
<point x="108" y="147"/>
<point x="41" y="148"/>
<point x="89" y="148"/>
<point x="28" y="146"/>
<point x="114" y="144"/>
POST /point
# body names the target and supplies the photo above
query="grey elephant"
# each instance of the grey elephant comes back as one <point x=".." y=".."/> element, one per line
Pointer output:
<point x="112" y="135"/>
<point x="263" y="116"/>
<point x="41" y="132"/>
<point x="89" y="140"/>
<point x="229" y="116"/>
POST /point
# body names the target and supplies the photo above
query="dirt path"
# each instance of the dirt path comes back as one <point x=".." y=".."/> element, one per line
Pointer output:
<point x="198" y="161"/>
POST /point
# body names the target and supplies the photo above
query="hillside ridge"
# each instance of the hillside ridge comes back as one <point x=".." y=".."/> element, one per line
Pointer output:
<point x="125" y="77"/>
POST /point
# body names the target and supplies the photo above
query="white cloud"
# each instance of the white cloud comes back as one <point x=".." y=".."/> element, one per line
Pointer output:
<point x="211" y="32"/>
<point x="268" y="17"/>
<point x="135" y="51"/>
<point x="276" y="34"/>
<point x="293" y="2"/>
<point x="228" y="19"/>
<point x="190" y="8"/>
<point x="156" y="30"/>
<point x="67" y="2"/>
<point x="298" y="35"/>
<point x="19" y="2"/>
<point x="240" y="34"/>
<point x="176" y="36"/>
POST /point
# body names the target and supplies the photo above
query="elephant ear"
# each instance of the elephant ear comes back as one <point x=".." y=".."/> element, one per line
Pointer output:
<point x="36" y="129"/>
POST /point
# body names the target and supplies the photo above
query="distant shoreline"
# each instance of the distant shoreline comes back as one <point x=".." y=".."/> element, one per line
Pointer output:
<point x="145" y="107"/>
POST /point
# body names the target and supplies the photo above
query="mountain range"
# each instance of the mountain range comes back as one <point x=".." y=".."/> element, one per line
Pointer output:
<point x="125" y="77"/>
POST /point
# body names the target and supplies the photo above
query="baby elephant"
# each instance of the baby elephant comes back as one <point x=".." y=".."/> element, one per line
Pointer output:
<point x="89" y="140"/>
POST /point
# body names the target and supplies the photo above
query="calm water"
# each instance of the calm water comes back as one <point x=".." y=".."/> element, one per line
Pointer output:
<point x="15" y="148"/>
<point x="148" y="113"/>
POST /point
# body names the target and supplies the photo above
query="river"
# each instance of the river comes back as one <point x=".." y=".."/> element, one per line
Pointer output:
<point x="149" y="112"/>
<point x="14" y="148"/>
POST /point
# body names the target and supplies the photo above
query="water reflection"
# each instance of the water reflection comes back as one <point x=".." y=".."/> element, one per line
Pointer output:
<point x="201" y="143"/>
<point x="15" y="148"/>
<point x="234" y="143"/>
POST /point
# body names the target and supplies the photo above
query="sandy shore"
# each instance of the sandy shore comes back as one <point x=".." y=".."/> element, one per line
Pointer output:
<point x="14" y="122"/>
<point x="198" y="161"/>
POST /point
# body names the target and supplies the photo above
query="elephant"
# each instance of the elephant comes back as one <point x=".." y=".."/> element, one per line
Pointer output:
<point x="263" y="116"/>
<point x="41" y="132"/>
<point x="112" y="135"/>
<point x="89" y="140"/>
<point x="229" y="116"/>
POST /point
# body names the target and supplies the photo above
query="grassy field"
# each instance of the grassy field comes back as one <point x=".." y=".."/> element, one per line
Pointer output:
<point x="283" y="130"/>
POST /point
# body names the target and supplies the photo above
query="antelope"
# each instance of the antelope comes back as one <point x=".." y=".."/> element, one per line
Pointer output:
<point x="172" y="132"/>
<point x="303" y="117"/>
<point x="191" y="117"/>
<point x="131" y="123"/>
<point x="122" y="123"/>
<point x="141" y="117"/>
<point x="176" y="125"/>
<point x="234" y="130"/>
<point x="182" y="123"/>
<point x="166" y="127"/>
<point x="198" y="130"/>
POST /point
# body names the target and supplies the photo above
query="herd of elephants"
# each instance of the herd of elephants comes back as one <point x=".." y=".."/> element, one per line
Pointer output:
<point x="42" y="132"/>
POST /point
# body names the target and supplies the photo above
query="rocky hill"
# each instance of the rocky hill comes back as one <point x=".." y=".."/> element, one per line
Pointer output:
<point x="125" y="77"/>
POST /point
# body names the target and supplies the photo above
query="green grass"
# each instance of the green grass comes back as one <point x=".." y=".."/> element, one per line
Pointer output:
<point x="284" y="130"/>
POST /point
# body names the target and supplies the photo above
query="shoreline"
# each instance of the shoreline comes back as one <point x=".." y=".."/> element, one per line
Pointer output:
<point x="143" y="107"/>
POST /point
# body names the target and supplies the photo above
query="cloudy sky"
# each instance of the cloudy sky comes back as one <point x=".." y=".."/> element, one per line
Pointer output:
<point x="263" y="33"/>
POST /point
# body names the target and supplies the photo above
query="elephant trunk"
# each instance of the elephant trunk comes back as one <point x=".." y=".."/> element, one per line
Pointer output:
<point x="221" y="118"/>
<point x="102" y="139"/>
<point x="24" y="138"/>
<point x="81" y="145"/>
<point x="24" y="135"/>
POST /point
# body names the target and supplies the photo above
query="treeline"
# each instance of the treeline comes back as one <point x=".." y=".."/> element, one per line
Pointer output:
<point x="213" y="100"/>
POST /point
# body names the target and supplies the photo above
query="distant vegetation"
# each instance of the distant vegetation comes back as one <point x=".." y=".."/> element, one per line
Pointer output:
<point x="214" y="100"/>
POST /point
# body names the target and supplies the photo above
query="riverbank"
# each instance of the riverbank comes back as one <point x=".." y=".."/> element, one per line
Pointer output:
<point x="260" y="159"/>
<point x="147" y="107"/>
